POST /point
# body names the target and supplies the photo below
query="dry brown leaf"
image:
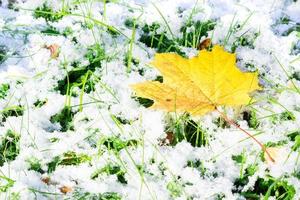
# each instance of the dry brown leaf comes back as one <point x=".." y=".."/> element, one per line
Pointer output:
<point x="46" y="180"/>
<point x="54" y="50"/>
<point x="204" y="44"/>
<point x="65" y="189"/>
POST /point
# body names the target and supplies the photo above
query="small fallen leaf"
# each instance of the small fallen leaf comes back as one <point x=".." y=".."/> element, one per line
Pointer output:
<point x="46" y="179"/>
<point x="199" y="84"/>
<point x="65" y="189"/>
<point x="204" y="44"/>
<point x="54" y="50"/>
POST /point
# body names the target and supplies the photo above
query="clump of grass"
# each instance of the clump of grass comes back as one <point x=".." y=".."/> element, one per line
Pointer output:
<point x="188" y="130"/>
<point x="68" y="158"/>
<point x="3" y="53"/>
<point x="276" y="144"/>
<point x="117" y="144"/>
<point x="6" y="183"/>
<point x="12" y="111"/>
<point x="296" y="75"/>
<point x="296" y="145"/>
<point x="50" y="30"/>
<point x="4" y="88"/>
<point x="78" y="194"/>
<point x="128" y="59"/>
<point x="204" y="171"/>
<point x="263" y="187"/>
<point x="64" y="118"/>
<point x="221" y="122"/>
<point x="39" y="103"/>
<point x="35" y="165"/>
<point x="71" y="158"/>
<point x="292" y="135"/>
<point x="243" y="179"/>
<point x="81" y="76"/>
<point x="120" y="119"/>
<point x="250" y="67"/>
<point x="287" y="115"/>
<point x="251" y="118"/>
<point x="193" y="31"/>
<point x="197" y="164"/>
<point x="130" y="23"/>
<point x="283" y="116"/>
<point x="244" y="40"/>
<point x="47" y="13"/>
<point x="175" y="189"/>
<point x="153" y="38"/>
<point x="111" y="169"/>
<point x="269" y="186"/>
<point x="9" y="147"/>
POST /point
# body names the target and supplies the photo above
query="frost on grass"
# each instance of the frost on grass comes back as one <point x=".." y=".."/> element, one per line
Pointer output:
<point x="71" y="127"/>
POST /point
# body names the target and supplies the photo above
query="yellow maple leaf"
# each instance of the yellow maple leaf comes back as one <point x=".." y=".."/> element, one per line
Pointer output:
<point x="199" y="84"/>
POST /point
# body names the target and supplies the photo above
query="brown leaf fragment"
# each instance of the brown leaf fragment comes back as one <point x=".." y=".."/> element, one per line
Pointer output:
<point x="65" y="189"/>
<point x="205" y="44"/>
<point x="46" y="180"/>
<point x="54" y="50"/>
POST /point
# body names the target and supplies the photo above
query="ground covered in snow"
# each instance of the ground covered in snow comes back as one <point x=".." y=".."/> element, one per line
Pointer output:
<point x="72" y="128"/>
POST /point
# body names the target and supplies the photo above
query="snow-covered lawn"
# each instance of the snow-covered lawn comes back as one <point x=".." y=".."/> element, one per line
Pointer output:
<point x="71" y="127"/>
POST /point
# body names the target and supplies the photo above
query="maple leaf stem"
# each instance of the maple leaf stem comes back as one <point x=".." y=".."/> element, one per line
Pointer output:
<point x="230" y="121"/>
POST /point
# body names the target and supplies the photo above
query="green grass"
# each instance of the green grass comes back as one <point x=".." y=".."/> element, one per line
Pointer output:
<point x="111" y="169"/>
<point x="67" y="158"/>
<point x="174" y="188"/>
<point x="160" y="41"/>
<point x="64" y="118"/>
<point x="116" y="144"/>
<point x="9" y="147"/>
<point x="187" y="129"/>
<point x="80" y="76"/>
<point x="4" y="88"/>
<point x="12" y="111"/>
<point x="251" y="118"/>
<point x="267" y="187"/>
<point x="81" y="195"/>
<point x="198" y="29"/>
<point x="5" y="183"/>
<point x="46" y="12"/>
<point x="3" y="53"/>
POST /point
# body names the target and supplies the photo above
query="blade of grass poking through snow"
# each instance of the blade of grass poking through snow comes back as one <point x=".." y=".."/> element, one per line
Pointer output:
<point x="131" y="46"/>
<point x="230" y="31"/>
<point x="88" y="73"/>
<point x="164" y="19"/>
<point x="132" y="41"/>
<point x="104" y="10"/>
<point x="233" y="28"/>
<point x="287" y="74"/>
